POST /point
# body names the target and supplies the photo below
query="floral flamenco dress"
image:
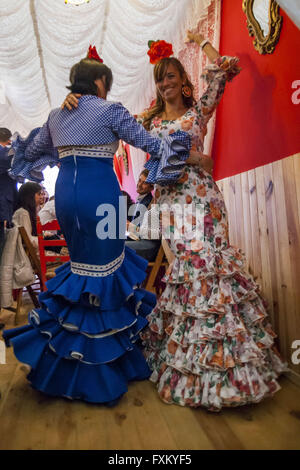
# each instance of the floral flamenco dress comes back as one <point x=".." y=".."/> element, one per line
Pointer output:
<point x="208" y="342"/>
<point x="81" y="343"/>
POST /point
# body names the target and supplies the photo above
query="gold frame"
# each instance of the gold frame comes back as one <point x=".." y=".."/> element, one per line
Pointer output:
<point x="264" y="44"/>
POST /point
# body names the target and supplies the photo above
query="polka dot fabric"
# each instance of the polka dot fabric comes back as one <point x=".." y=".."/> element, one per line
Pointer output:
<point x="98" y="122"/>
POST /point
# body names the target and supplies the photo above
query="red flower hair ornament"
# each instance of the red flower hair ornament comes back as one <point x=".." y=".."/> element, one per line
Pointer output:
<point x="93" y="54"/>
<point x="159" y="50"/>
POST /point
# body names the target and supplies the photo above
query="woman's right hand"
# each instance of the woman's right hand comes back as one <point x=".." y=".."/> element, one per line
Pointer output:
<point x="71" y="101"/>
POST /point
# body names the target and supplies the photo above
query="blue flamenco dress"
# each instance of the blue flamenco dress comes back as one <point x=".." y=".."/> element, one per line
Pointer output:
<point x="82" y="342"/>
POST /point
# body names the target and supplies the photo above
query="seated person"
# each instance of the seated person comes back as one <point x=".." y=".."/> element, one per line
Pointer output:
<point x="16" y="269"/>
<point x="30" y="198"/>
<point x="47" y="214"/>
<point x="129" y="204"/>
<point x="144" y="247"/>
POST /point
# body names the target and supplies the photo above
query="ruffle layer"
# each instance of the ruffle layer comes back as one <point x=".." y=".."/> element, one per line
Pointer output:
<point x="216" y="295"/>
<point x="93" y="320"/>
<point x="89" y="349"/>
<point x="191" y="330"/>
<point x="111" y="291"/>
<point x="166" y="167"/>
<point x="102" y="383"/>
<point x="215" y="389"/>
<point x="222" y="66"/>
<point x="21" y="168"/>
<point x="211" y="354"/>
<point x="206" y="263"/>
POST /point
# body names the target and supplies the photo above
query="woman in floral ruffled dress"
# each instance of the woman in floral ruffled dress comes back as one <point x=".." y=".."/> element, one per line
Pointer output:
<point x="208" y="342"/>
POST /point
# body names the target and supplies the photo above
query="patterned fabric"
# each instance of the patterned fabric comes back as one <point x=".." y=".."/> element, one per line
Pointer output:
<point x="95" y="122"/>
<point x="93" y="151"/>
<point x="22" y="169"/>
<point x="208" y="342"/>
<point x="167" y="167"/>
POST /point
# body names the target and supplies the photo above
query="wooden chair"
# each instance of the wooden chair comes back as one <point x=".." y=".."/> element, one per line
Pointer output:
<point x="43" y="267"/>
<point x="49" y="262"/>
<point x="36" y="286"/>
<point x="154" y="266"/>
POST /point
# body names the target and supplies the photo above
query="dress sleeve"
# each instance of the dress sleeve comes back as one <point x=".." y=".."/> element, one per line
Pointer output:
<point x="167" y="155"/>
<point x="216" y="74"/>
<point x="33" y="154"/>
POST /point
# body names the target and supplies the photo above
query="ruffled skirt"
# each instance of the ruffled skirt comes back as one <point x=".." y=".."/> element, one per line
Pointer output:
<point x="83" y="341"/>
<point x="209" y="342"/>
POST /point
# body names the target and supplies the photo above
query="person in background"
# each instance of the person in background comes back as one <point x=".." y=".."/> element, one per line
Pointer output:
<point x="30" y="198"/>
<point x="144" y="199"/>
<point x="47" y="212"/>
<point x="129" y="202"/>
<point x="46" y="196"/>
<point x="146" y="248"/>
<point x="8" y="187"/>
<point x="15" y="270"/>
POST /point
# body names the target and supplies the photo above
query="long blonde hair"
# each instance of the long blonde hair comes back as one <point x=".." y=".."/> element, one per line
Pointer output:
<point x="160" y="70"/>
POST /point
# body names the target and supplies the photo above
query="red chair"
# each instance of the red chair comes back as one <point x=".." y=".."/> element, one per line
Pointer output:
<point x="47" y="271"/>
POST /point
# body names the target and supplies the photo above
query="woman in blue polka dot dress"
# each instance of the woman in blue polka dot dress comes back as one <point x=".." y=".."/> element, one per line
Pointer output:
<point x="81" y="343"/>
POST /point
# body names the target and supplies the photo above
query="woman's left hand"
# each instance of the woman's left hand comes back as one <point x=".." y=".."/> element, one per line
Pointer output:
<point x="200" y="159"/>
<point x="71" y="101"/>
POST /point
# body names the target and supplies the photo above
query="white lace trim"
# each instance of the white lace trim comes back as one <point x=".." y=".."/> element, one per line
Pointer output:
<point x="96" y="151"/>
<point x="97" y="270"/>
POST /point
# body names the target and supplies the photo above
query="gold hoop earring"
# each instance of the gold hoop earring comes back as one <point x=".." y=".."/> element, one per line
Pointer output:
<point x="186" y="91"/>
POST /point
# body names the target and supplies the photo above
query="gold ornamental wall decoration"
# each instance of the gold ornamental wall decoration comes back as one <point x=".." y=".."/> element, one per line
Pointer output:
<point x="264" y="23"/>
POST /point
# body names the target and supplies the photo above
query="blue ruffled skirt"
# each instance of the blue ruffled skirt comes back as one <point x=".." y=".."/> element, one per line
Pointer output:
<point x="83" y="341"/>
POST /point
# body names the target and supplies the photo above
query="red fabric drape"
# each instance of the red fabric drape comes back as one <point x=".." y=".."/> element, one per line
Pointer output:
<point x="118" y="170"/>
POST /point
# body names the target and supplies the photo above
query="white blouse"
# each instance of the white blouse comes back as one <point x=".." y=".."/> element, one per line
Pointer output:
<point x="21" y="219"/>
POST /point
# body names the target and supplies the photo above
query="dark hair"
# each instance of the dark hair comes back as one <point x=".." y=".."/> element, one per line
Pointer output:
<point x="5" y="134"/>
<point x="84" y="73"/>
<point x="145" y="172"/>
<point x="160" y="70"/>
<point x="26" y="200"/>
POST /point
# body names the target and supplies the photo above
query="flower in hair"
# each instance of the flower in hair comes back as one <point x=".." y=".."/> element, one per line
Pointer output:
<point x="159" y="50"/>
<point x="93" y="54"/>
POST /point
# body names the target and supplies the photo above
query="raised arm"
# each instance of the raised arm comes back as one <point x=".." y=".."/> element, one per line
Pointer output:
<point x="221" y="69"/>
<point x="207" y="47"/>
<point x="41" y="144"/>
